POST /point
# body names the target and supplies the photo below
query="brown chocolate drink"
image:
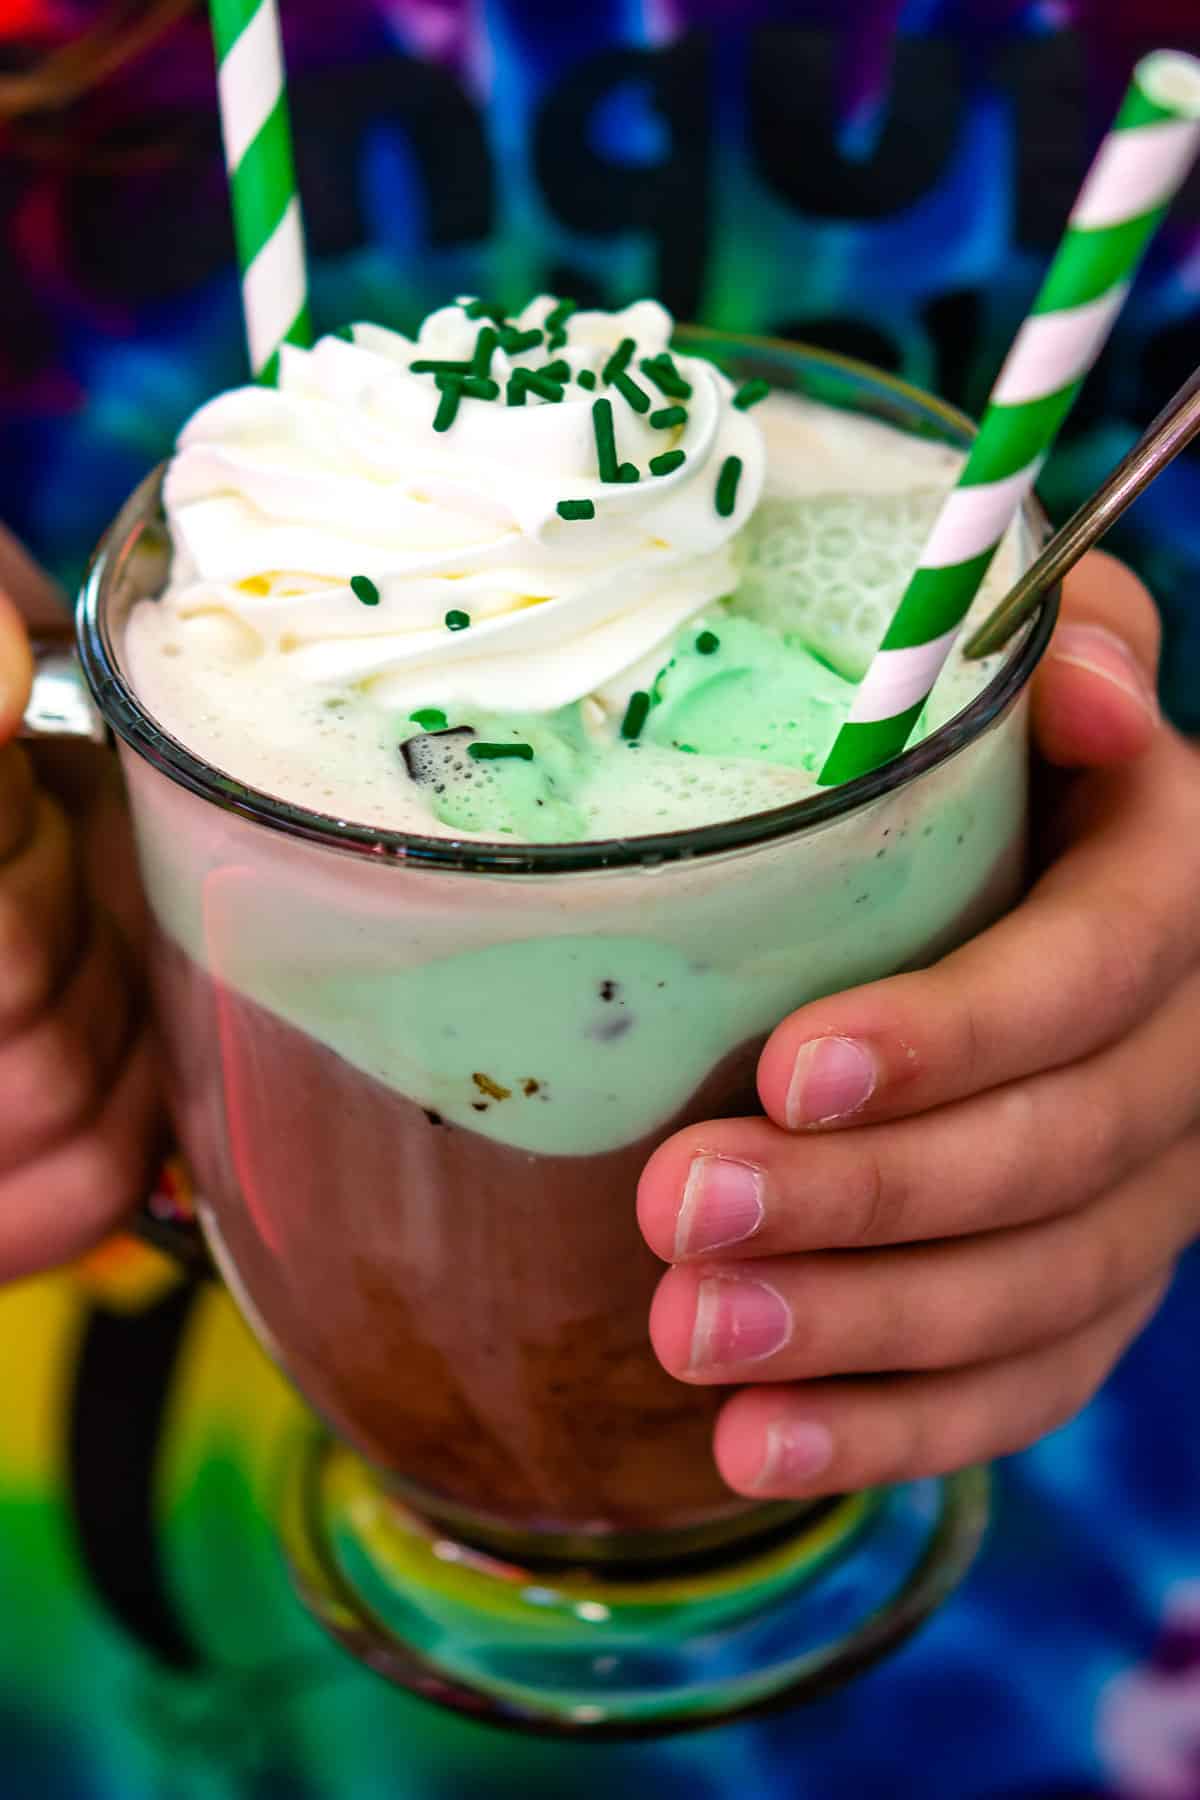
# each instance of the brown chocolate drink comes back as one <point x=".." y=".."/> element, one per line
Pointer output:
<point x="472" y="1317"/>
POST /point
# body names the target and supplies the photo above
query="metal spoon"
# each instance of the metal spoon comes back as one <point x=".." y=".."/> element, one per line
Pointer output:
<point x="1174" y="428"/>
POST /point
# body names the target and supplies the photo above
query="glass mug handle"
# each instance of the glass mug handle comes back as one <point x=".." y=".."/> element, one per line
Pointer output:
<point x="61" y="710"/>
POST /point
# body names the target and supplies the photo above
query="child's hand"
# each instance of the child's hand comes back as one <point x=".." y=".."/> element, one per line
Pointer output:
<point x="78" y="1102"/>
<point x="973" y="1181"/>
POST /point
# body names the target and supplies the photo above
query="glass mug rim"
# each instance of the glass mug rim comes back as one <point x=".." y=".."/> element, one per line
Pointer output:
<point x="125" y="715"/>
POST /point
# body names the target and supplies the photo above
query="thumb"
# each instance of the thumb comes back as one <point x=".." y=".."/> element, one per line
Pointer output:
<point x="16" y="669"/>
<point x="1093" y="697"/>
<point x="28" y="600"/>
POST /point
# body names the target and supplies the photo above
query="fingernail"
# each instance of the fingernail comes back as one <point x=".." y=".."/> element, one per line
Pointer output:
<point x="737" y="1321"/>
<point x="831" y="1077"/>
<point x="722" y="1204"/>
<point x="1103" y="653"/>
<point x="797" y="1450"/>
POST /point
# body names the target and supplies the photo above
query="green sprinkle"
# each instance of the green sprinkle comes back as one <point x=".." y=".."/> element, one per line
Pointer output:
<point x="618" y="362"/>
<point x="456" y="620"/>
<point x="606" y="442"/>
<point x="669" y="460"/>
<point x="727" y="485"/>
<point x="666" y="377"/>
<point x="558" y="370"/>
<point x="447" y="410"/>
<point x="629" y="472"/>
<point x="482" y="309"/>
<point x="576" y="509"/>
<point x="344" y="331"/>
<point x="707" y="642"/>
<point x="637" y="396"/>
<point x="688" y="749"/>
<point x="432" y="365"/>
<point x="364" y="589"/>
<point x="477" y="387"/>
<point x="485" y="345"/>
<point x="539" y="383"/>
<point x="666" y="416"/>
<point x="523" y="382"/>
<point x="586" y="378"/>
<point x="497" y="752"/>
<point x="555" y="324"/>
<point x="750" y="393"/>
<point x="635" y="714"/>
<point x="429" y="718"/>
<point x="512" y="341"/>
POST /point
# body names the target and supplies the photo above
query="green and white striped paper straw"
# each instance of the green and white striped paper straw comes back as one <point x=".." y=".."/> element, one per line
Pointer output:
<point x="1137" y="172"/>
<point x="262" y="181"/>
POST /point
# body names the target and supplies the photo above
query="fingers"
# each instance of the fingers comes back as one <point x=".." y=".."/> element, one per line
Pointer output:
<point x="1031" y="1150"/>
<point x="1094" y="694"/>
<point x="37" y="598"/>
<point x="54" y="1074"/>
<point x="108" y="855"/>
<point x="1095" y="946"/>
<point x="16" y="669"/>
<point x="837" y="1437"/>
<point x="930" y="1306"/>
<point x="29" y="600"/>
<point x="17" y="805"/>
<point x="57" y="1207"/>
<point x="40" y="917"/>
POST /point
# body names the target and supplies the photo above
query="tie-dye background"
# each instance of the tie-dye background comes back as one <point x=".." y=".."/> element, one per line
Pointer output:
<point x="151" y="1649"/>
<point x="879" y="176"/>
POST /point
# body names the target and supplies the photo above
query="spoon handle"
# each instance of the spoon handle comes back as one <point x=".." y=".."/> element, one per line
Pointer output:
<point x="1173" y="429"/>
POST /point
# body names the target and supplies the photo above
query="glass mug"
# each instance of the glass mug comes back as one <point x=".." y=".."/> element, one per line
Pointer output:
<point x="416" y="1079"/>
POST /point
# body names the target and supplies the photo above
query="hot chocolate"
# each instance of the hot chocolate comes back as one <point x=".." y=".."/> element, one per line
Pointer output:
<point x="418" y="1078"/>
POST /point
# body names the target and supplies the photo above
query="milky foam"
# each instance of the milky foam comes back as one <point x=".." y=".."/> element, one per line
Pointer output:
<point x="799" y="596"/>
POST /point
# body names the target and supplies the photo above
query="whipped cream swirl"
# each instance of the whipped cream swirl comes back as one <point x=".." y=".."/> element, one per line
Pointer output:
<point x="276" y="497"/>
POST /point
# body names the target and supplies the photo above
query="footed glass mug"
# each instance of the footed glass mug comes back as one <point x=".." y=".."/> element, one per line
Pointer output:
<point x="416" y="1080"/>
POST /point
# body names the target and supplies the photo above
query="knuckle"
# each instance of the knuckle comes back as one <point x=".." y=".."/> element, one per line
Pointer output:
<point x="16" y="797"/>
<point x="877" y="1205"/>
<point x="937" y="1441"/>
<point x="1009" y="1185"/>
<point x="102" y="1182"/>
<point x="1142" y="607"/>
<point x="940" y="1321"/>
<point x="1111" y="1132"/>
<point x="957" y="1439"/>
<point x="1049" y="1406"/>
<point x="48" y="1089"/>
<point x="899" y="1330"/>
<point x="897" y="1445"/>
<point x="1107" y="1270"/>
<point x="1081" y="1282"/>
<point x="70" y="1062"/>
<point x="1124" y="954"/>
<point x="957" y="1045"/>
<point x="965" y="1048"/>
<point x="26" y="964"/>
<point x="1132" y="602"/>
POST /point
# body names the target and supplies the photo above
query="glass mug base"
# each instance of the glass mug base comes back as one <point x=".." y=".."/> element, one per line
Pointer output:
<point x="586" y="1650"/>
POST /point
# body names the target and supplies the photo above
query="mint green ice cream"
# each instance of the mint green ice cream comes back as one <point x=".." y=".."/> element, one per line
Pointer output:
<point x="653" y="665"/>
